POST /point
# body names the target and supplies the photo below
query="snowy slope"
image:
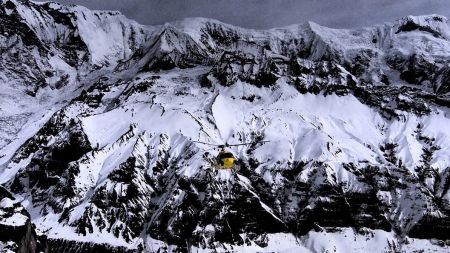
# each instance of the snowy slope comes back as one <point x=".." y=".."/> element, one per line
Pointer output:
<point x="49" y="54"/>
<point x="102" y="155"/>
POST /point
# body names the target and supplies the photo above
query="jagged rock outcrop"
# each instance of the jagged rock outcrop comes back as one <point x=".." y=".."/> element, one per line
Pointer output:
<point x="63" y="245"/>
<point x="17" y="233"/>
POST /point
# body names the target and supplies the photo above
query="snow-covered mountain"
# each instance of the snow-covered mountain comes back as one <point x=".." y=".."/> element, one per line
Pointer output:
<point x="98" y="118"/>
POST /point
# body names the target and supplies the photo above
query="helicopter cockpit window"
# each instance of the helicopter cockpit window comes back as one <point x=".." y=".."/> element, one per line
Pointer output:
<point x="225" y="155"/>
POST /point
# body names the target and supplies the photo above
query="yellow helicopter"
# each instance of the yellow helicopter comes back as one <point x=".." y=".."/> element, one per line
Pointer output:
<point x="225" y="159"/>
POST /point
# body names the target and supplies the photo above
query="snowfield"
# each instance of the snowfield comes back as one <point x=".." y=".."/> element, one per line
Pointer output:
<point x="101" y="119"/>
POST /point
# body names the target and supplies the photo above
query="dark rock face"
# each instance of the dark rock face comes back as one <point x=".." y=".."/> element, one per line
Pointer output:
<point x="432" y="227"/>
<point x="51" y="171"/>
<point x="423" y="202"/>
<point x="61" y="245"/>
<point x="260" y="70"/>
<point x="16" y="230"/>
<point x="221" y="211"/>
<point x="414" y="69"/>
<point x="129" y="206"/>
<point x="409" y="25"/>
<point x="327" y="206"/>
<point x="71" y="44"/>
<point x="145" y="193"/>
<point x="315" y="77"/>
<point x="12" y="24"/>
<point x="441" y="84"/>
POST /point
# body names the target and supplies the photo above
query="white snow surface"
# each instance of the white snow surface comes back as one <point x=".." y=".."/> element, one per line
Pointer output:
<point x="297" y="127"/>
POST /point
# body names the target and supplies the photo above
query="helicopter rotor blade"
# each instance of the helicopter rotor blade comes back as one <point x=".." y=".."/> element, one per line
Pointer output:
<point x="210" y="144"/>
<point x="229" y="145"/>
<point x="248" y="143"/>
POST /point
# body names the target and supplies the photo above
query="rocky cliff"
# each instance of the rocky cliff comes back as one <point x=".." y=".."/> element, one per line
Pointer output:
<point x="99" y="117"/>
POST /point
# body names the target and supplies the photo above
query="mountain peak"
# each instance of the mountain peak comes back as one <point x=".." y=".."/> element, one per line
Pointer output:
<point x="112" y="133"/>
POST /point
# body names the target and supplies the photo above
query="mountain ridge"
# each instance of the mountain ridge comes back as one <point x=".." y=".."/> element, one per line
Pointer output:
<point x="101" y="141"/>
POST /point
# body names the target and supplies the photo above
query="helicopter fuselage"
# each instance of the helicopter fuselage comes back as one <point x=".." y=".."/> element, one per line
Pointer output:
<point x="225" y="160"/>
